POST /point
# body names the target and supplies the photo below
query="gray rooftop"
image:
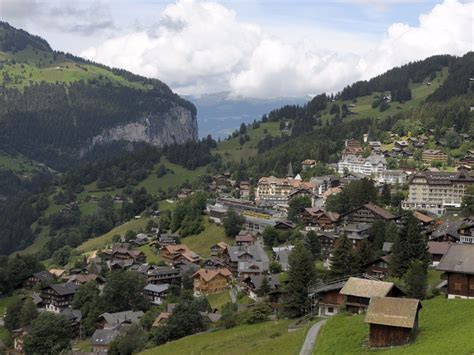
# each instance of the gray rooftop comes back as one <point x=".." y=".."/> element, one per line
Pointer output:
<point x="459" y="258"/>
<point x="157" y="288"/>
<point x="104" y="336"/>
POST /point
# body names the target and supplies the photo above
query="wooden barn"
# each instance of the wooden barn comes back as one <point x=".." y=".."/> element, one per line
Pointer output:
<point x="458" y="267"/>
<point x="392" y="321"/>
<point x="358" y="292"/>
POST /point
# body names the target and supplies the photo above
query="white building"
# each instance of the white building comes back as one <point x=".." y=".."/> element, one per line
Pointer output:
<point x="373" y="165"/>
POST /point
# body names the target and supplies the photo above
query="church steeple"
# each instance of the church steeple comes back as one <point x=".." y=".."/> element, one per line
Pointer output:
<point x="290" y="171"/>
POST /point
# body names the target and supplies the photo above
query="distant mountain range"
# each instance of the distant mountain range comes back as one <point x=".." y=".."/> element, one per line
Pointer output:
<point x="219" y="114"/>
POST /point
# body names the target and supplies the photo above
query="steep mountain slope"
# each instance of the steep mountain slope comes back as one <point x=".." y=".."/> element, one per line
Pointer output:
<point x="56" y="108"/>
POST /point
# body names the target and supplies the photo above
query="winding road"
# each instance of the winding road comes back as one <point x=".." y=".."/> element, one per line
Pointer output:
<point x="310" y="340"/>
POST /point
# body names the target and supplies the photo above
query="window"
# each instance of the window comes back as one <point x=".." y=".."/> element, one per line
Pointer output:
<point x="457" y="286"/>
<point x="330" y="309"/>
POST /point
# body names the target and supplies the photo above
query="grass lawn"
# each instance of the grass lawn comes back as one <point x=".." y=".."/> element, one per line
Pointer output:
<point x="82" y="345"/>
<point x="217" y="300"/>
<point x="176" y="177"/>
<point x="232" y="150"/>
<point x="445" y="327"/>
<point x="202" y="242"/>
<point x="257" y="339"/>
<point x="5" y="302"/>
<point x="434" y="277"/>
<point x="151" y="256"/>
<point x="101" y="241"/>
<point x="4" y="334"/>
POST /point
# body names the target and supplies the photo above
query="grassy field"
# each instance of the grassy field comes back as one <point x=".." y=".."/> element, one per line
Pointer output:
<point x="18" y="164"/>
<point x="232" y="150"/>
<point x="5" y="302"/>
<point x="151" y="256"/>
<point x="363" y="106"/>
<point x="257" y="339"/>
<point x="101" y="241"/>
<point x="218" y="300"/>
<point x="175" y="177"/>
<point x="446" y="327"/>
<point x="202" y="242"/>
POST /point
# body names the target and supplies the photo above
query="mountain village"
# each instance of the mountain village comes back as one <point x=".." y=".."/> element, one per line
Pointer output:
<point x="254" y="267"/>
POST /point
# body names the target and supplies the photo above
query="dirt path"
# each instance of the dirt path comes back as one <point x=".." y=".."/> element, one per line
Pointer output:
<point x="310" y="340"/>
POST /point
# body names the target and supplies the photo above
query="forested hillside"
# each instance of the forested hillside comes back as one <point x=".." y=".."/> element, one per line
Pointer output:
<point x="55" y="108"/>
<point x="435" y="93"/>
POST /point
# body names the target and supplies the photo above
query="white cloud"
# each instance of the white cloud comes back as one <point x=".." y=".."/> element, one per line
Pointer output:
<point x="200" y="47"/>
<point x="83" y="17"/>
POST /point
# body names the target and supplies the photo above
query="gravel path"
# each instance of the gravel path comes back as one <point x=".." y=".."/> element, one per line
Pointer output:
<point x="310" y="340"/>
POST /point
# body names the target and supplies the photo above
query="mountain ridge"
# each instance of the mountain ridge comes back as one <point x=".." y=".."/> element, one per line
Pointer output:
<point x="55" y="107"/>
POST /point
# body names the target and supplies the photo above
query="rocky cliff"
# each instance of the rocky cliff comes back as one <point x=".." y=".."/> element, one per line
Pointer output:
<point x="178" y="125"/>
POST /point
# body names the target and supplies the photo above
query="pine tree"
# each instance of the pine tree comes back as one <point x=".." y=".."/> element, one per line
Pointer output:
<point x="386" y="194"/>
<point x="409" y="246"/>
<point x="264" y="287"/>
<point x="416" y="279"/>
<point x="311" y="241"/>
<point x="300" y="277"/>
<point x="343" y="259"/>
<point x="364" y="255"/>
<point x="29" y="313"/>
<point x="378" y="232"/>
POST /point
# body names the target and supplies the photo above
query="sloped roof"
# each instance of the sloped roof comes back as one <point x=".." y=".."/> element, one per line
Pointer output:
<point x="459" y="258"/>
<point x="396" y="312"/>
<point x="366" y="288"/>
<point x="121" y="317"/>
<point x="438" y="247"/>
<point x="44" y="275"/>
<point x="207" y="274"/>
<point x="104" y="336"/>
<point x="422" y="217"/>
<point x="157" y="288"/>
<point x="64" y="288"/>
<point x="378" y="210"/>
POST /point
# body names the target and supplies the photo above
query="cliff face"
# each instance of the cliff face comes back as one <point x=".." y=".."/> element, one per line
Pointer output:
<point x="177" y="125"/>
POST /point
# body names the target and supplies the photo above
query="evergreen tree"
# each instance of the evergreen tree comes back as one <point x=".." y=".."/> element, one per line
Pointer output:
<point x="296" y="206"/>
<point x="264" y="287"/>
<point x="343" y="261"/>
<point x="50" y="334"/>
<point x="13" y="315"/>
<point x="233" y="223"/>
<point x="378" y="233"/>
<point x="391" y="232"/>
<point x="409" y="246"/>
<point x="29" y="313"/>
<point x="300" y="277"/>
<point x="364" y="255"/>
<point x="416" y="279"/>
<point x="386" y="195"/>
<point x="311" y="242"/>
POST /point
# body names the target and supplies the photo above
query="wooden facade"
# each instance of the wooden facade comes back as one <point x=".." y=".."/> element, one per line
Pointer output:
<point x="460" y="285"/>
<point x="385" y="335"/>
<point x="367" y="213"/>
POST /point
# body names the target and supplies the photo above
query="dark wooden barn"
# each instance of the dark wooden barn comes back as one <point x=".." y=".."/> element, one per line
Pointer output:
<point x="392" y="321"/>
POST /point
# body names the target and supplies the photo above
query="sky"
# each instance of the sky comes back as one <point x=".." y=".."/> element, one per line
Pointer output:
<point x="250" y="48"/>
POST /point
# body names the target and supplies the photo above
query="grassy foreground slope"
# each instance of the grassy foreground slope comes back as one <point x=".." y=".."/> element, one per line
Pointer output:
<point x="445" y="327"/>
<point x="259" y="339"/>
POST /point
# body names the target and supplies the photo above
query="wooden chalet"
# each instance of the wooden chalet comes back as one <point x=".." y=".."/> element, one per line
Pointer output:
<point x="367" y="213"/>
<point x="379" y="267"/>
<point x="80" y="279"/>
<point x="214" y="263"/>
<point x="41" y="278"/>
<point x="245" y="238"/>
<point x="176" y="253"/>
<point x="163" y="275"/>
<point x="219" y="248"/>
<point x="211" y="281"/>
<point x="458" y="267"/>
<point x="156" y="293"/>
<point x="101" y="340"/>
<point x="326" y="299"/>
<point x="314" y="218"/>
<point x="392" y="321"/>
<point x="437" y="251"/>
<point x="358" y="292"/>
<point x="58" y="296"/>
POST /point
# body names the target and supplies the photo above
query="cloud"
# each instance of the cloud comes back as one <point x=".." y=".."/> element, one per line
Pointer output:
<point x="200" y="47"/>
<point x="85" y="18"/>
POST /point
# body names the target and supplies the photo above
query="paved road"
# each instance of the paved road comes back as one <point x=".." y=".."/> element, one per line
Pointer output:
<point x="233" y="295"/>
<point x="310" y="340"/>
